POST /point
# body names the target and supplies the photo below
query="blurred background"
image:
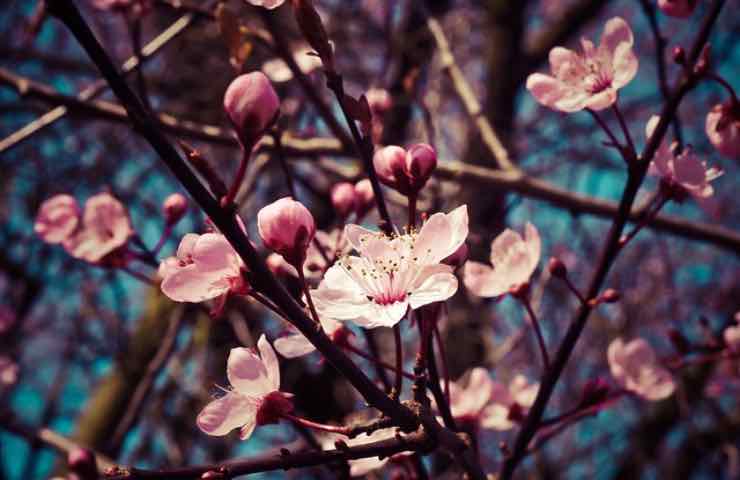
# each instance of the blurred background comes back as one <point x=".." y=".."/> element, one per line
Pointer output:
<point x="96" y="355"/>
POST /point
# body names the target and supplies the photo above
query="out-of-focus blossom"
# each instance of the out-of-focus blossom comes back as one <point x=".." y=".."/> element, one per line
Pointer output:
<point x="468" y="402"/>
<point x="206" y="267"/>
<point x="7" y="319"/>
<point x="8" y="371"/>
<point x="174" y="207"/>
<point x="591" y="79"/>
<point x="269" y="4"/>
<point x="254" y="399"/>
<point x="362" y="466"/>
<point x="287" y="227"/>
<point x="135" y="7"/>
<point x="343" y="198"/>
<point x="379" y="99"/>
<point x="392" y="274"/>
<point x="677" y="8"/>
<point x="731" y="336"/>
<point x="682" y="173"/>
<point x="723" y="128"/>
<point x="252" y="104"/>
<point x="57" y="218"/>
<point x="405" y="171"/>
<point x="365" y="197"/>
<point x="513" y="261"/>
<point x="278" y="71"/>
<point x="635" y="367"/>
<point x="105" y="228"/>
<point x="293" y="344"/>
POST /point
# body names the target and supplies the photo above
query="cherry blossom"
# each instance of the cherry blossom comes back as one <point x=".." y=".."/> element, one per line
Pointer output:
<point x="635" y="367"/>
<point x="684" y="172"/>
<point x="468" y="403"/>
<point x="8" y="371"/>
<point x="723" y="128"/>
<point x="105" y="228"/>
<point x="254" y="398"/>
<point x="364" y="197"/>
<point x="174" y="207"/>
<point x="287" y="227"/>
<point x="731" y="336"/>
<point x="513" y="261"/>
<point x="206" y="267"/>
<point x="293" y="344"/>
<point x="677" y="8"/>
<point x="278" y="71"/>
<point x="392" y="274"/>
<point x="57" y="218"/>
<point x="343" y="198"/>
<point x="591" y="79"/>
<point x="362" y="466"/>
<point x="269" y="4"/>
<point x="251" y="104"/>
<point x="405" y="171"/>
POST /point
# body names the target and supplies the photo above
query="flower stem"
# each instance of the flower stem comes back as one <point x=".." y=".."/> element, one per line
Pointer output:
<point x="537" y="330"/>
<point x="625" y="130"/>
<point x="658" y="203"/>
<point x="399" y="361"/>
<point x="307" y="292"/>
<point x="340" y="429"/>
<point x="412" y="212"/>
<point x="228" y="199"/>
<point x="443" y="358"/>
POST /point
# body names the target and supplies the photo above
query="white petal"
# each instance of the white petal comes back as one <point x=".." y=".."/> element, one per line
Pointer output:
<point x="227" y="413"/>
<point x="247" y="373"/>
<point x="269" y="359"/>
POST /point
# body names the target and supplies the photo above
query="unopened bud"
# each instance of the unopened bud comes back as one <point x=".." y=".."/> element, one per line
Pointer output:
<point x="364" y="197"/>
<point x="557" y="268"/>
<point x="81" y="462"/>
<point x="610" y="296"/>
<point x="174" y="208"/>
<point x="343" y="198"/>
<point x="679" y="55"/>
<point x="252" y="106"/>
<point x="287" y="227"/>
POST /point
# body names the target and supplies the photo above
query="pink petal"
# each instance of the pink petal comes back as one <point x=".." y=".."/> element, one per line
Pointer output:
<point x="562" y="61"/>
<point x="293" y="345"/>
<point x="442" y="235"/>
<point x="269" y="359"/>
<point x="482" y="281"/>
<point x="547" y="90"/>
<point x="435" y="283"/>
<point x="247" y="373"/>
<point x="625" y="65"/>
<point x="601" y="100"/>
<point x="616" y="32"/>
<point x="496" y="417"/>
<point x="188" y="284"/>
<point x="227" y="413"/>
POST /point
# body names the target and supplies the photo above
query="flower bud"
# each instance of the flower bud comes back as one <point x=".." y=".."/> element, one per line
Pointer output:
<point x="174" y="208"/>
<point x="379" y="100"/>
<point x="421" y="160"/>
<point x="609" y="296"/>
<point x="252" y="105"/>
<point x="679" y="55"/>
<point x="81" y="462"/>
<point x="287" y="227"/>
<point x="364" y="197"/>
<point x="389" y="163"/>
<point x="557" y="268"/>
<point x="57" y="218"/>
<point x="343" y="198"/>
<point x="677" y="8"/>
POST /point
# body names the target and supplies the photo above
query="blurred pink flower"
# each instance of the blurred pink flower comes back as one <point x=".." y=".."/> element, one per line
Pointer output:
<point x="635" y="367"/>
<point x="731" y="336"/>
<point x="287" y="227"/>
<point x="365" y="197"/>
<point x="677" y="8"/>
<point x="8" y="371"/>
<point x="278" y="71"/>
<point x="105" y="228"/>
<point x="57" y="218"/>
<point x="269" y="4"/>
<point x="513" y="260"/>
<point x="392" y="274"/>
<point x="206" y="267"/>
<point x="254" y="398"/>
<point x="343" y="198"/>
<point x="723" y="128"/>
<point x="362" y="466"/>
<point x="684" y="172"/>
<point x="251" y="104"/>
<point x="379" y="100"/>
<point x="293" y="344"/>
<point x="174" y="207"/>
<point x="591" y="79"/>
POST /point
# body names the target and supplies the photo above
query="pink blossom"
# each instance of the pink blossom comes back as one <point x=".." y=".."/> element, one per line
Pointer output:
<point x="510" y="404"/>
<point x="137" y="7"/>
<point x="206" y="267"/>
<point x="685" y="172"/>
<point x="379" y="100"/>
<point x="468" y="403"/>
<point x="731" y="336"/>
<point x="343" y="198"/>
<point x="513" y="261"/>
<point x="392" y="274"/>
<point x="287" y="227"/>
<point x="269" y="4"/>
<point x="57" y="218"/>
<point x="106" y="227"/>
<point x="405" y="171"/>
<point x="278" y="71"/>
<point x="254" y="398"/>
<point x="8" y="371"/>
<point x="677" y="8"/>
<point x="364" y="197"/>
<point x="252" y="104"/>
<point x="362" y="466"/>
<point x="174" y="207"/>
<point x="293" y="344"/>
<point x="635" y="367"/>
<point x="723" y="128"/>
<point x="591" y="79"/>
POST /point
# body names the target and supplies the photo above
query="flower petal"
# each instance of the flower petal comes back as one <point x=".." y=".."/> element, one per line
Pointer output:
<point x="435" y="283"/>
<point x="247" y="373"/>
<point x="482" y="281"/>
<point x="293" y="345"/>
<point x="227" y="413"/>
<point x="269" y="359"/>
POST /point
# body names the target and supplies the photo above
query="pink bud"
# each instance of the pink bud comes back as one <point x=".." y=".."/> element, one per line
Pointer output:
<point x="57" y="218"/>
<point x="287" y="227"/>
<point x="677" y="8"/>
<point x="389" y="163"/>
<point x="364" y="197"/>
<point x="379" y="100"/>
<point x="343" y="198"/>
<point x="174" y="207"/>
<point x="252" y="105"/>
<point x="421" y="160"/>
<point x="557" y="268"/>
<point x="82" y="462"/>
<point x="723" y="128"/>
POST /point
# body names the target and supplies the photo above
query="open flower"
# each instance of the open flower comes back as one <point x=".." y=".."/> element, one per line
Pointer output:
<point x="57" y="218"/>
<point x="682" y="173"/>
<point x="255" y="398"/>
<point x="392" y="273"/>
<point x="635" y="367"/>
<point x="514" y="259"/>
<point x="591" y="79"/>
<point x="206" y="267"/>
<point x="105" y="228"/>
<point x="723" y="128"/>
<point x="362" y="466"/>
